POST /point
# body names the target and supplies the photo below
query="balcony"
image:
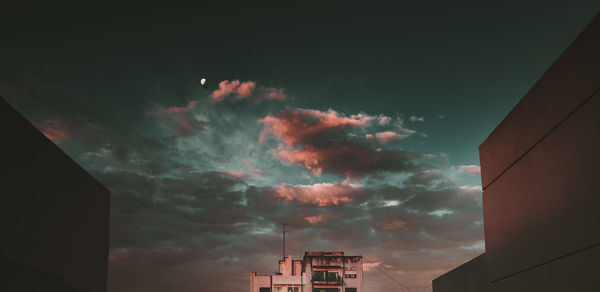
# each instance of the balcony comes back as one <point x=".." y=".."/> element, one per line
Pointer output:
<point x="329" y="280"/>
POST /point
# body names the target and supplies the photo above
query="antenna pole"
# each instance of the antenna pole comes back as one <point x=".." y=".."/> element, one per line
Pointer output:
<point x="283" y="224"/>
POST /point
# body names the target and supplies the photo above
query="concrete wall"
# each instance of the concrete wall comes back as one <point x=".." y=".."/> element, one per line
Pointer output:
<point x="54" y="216"/>
<point x="539" y="167"/>
<point x="469" y="277"/>
<point x="540" y="183"/>
<point x="257" y="282"/>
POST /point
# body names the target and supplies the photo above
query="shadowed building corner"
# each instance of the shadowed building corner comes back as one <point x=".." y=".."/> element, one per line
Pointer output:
<point x="540" y="185"/>
<point x="54" y="216"/>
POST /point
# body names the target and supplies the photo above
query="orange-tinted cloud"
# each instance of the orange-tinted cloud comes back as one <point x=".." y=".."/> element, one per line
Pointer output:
<point x="236" y="174"/>
<point x="271" y="93"/>
<point x="315" y="219"/>
<point x="323" y="142"/>
<point x="245" y="90"/>
<point x="248" y="161"/>
<point x="294" y="126"/>
<point x="384" y="137"/>
<point x="384" y="120"/>
<point x="179" y="112"/>
<point x="392" y="225"/>
<point x="226" y="88"/>
<point x="257" y="171"/>
<point x="370" y="266"/>
<point x="470" y="169"/>
<point x="324" y="194"/>
<point x="56" y="130"/>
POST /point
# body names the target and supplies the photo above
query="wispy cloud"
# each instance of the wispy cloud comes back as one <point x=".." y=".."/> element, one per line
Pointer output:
<point x="470" y="169"/>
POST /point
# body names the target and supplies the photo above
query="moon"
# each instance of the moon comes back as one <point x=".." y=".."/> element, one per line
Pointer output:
<point x="203" y="81"/>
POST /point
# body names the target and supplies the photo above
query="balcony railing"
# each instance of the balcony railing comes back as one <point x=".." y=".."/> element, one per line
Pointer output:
<point x="328" y="281"/>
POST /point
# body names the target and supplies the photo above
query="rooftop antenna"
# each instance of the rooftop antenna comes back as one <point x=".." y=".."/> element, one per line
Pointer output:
<point x="283" y="224"/>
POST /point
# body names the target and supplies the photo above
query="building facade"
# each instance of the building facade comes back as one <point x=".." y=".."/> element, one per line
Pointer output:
<point x="54" y="216"/>
<point x="539" y="171"/>
<point x="316" y="272"/>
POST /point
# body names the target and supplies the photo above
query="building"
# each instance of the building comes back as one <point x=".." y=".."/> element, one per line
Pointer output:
<point x="54" y="216"/>
<point x="316" y="272"/>
<point x="540" y="185"/>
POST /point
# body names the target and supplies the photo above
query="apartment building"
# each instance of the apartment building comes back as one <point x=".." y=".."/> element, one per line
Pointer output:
<point x="322" y="271"/>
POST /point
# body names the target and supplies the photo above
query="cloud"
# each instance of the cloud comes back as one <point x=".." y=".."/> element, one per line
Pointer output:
<point x="470" y="169"/>
<point x="323" y="194"/>
<point x="245" y="90"/>
<point x="323" y="142"/>
<point x="294" y="126"/>
<point x="370" y="266"/>
<point x="56" y="130"/>
<point x="226" y="88"/>
<point x="417" y="119"/>
<point x="392" y="225"/>
<point x="177" y="224"/>
<point x="315" y="219"/>
<point x="384" y="120"/>
<point x="384" y="137"/>
<point x="236" y="174"/>
<point x="248" y="161"/>
<point x="212" y="220"/>
<point x="270" y="93"/>
<point x="179" y="112"/>
<point x="257" y="171"/>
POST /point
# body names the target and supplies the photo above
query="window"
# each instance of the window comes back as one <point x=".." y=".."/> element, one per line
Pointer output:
<point x="277" y="289"/>
<point x="292" y="289"/>
<point x="332" y="276"/>
<point x="265" y="289"/>
<point x="350" y="289"/>
<point x="325" y="276"/>
<point x="319" y="275"/>
<point x="326" y="290"/>
<point x="350" y="275"/>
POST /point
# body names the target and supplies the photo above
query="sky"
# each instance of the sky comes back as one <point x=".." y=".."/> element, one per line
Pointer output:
<point x="358" y="126"/>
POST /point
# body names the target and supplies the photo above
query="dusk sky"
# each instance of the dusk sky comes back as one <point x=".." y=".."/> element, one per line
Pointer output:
<point x="358" y="126"/>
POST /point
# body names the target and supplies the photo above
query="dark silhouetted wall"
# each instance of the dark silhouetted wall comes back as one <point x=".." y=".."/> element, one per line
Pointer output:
<point x="540" y="183"/>
<point x="54" y="216"/>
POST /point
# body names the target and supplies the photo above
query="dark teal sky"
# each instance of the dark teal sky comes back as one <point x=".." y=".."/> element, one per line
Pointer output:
<point x="107" y="75"/>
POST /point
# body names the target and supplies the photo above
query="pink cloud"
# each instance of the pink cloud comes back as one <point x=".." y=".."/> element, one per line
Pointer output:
<point x="321" y="142"/>
<point x="248" y="161"/>
<point x="241" y="89"/>
<point x="55" y="130"/>
<point x="383" y="120"/>
<point x="295" y="125"/>
<point x="245" y="89"/>
<point x="236" y="174"/>
<point x="370" y="266"/>
<point x="393" y="225"/>
<point x="470" y="169"/>
<point x="324" y="194"/>
<point x="271" y="93"/>
<point x="240" y="223"/>
<point x="384" y="137"/>
<point x="179" y="112"/>
<point x="315" y="219"/>
<point x="257" y="171"/>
